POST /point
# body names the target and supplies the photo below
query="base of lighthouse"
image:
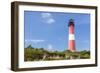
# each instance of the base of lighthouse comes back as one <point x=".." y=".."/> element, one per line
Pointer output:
<point x="72" y="45"/>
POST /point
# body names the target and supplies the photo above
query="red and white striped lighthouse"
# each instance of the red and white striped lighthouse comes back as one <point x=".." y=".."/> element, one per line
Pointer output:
<point x="71" y="40"/>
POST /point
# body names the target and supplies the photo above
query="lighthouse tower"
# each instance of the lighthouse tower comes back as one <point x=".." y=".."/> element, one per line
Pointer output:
<point x="71" y="40"/>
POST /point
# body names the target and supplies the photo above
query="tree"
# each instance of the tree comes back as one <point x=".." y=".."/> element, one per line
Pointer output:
<point x="85" y="54"/>
<point x="30" y="47"/>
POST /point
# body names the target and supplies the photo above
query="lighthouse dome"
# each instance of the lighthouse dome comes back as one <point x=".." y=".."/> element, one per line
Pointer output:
<point x="71" y="22"/>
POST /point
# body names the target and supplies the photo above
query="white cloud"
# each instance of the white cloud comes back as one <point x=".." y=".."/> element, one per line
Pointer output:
<point x="46" y="15"/>
<point x="49" y="21"/>
<point x="47" y="18"/>
<point x="50" y="47"/>
<point x="35" y="41"/>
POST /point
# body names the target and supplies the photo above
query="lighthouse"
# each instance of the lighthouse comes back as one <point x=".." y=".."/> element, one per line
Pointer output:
<point x="71" y="40"/>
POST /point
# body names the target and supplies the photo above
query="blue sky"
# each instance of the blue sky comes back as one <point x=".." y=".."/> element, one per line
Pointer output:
<point x="49" y="30"/>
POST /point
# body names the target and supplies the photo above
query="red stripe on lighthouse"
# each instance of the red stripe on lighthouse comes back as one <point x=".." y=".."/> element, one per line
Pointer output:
<point x="71" y="29"/>
<point x="72" y="45"/>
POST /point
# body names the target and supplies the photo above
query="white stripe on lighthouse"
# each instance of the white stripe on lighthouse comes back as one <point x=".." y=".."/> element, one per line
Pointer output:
<point x="71" y="37"/>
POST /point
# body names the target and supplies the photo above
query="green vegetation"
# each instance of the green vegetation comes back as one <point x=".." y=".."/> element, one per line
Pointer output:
<point x="39" y="54"/>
